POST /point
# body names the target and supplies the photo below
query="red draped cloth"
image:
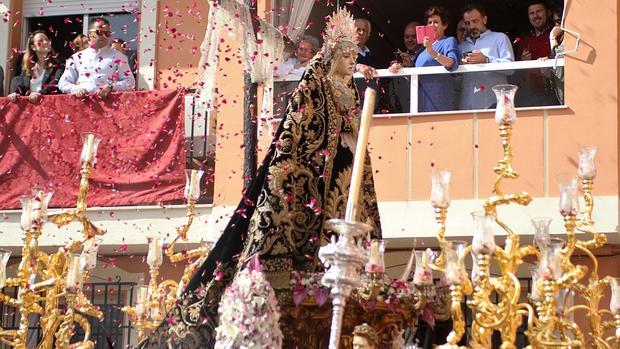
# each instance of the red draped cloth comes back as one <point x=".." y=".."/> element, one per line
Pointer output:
<point x="140" y="161"/>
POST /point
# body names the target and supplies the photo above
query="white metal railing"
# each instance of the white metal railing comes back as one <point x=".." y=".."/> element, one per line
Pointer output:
<point x="414" y="75"/>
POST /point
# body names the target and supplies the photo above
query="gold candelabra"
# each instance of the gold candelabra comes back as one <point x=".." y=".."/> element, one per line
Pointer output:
<point x="549" y="322"/>
<point x="43" y="280"/>
<point x="154" y="300"/>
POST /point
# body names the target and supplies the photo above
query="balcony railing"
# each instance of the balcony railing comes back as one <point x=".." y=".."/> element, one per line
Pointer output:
<point x="540" y="84"/>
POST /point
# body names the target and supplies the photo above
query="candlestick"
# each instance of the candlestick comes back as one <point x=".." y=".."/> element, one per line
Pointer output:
<point x="360" y="154"/>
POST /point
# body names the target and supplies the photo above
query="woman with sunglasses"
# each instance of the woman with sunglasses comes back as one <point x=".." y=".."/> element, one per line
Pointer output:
<point x="40" y="71"/>
<point x="97" y="70"/>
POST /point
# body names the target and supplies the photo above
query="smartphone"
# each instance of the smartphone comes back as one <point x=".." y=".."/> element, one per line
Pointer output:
<point x="425" y="30"/>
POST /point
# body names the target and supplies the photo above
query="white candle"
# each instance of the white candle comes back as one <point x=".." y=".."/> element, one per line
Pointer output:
<point x="192" y="183"/>
<point x="74" y="274"/>
<point x="360" y="154"/>
<point x="614" y="303"/>
<point x="142" y="299"/>
<point x="374" y="253"/>
<point x="26" y="218"/>
<point x="154" y="256"/>
<point x="90" y="145"/>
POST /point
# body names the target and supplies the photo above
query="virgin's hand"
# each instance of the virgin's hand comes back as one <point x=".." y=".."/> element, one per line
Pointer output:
<point x="34" y="97"/>
<point x="13" y="97"/>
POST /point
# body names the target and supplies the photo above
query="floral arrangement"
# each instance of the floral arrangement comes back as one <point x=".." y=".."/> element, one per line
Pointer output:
<point x="308" y="284"/>
<point x="305" y="285"/>
<point x="249" y="314"/>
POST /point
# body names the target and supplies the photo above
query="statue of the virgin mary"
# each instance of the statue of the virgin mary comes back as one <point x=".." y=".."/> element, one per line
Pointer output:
<point x="302" y="182"/>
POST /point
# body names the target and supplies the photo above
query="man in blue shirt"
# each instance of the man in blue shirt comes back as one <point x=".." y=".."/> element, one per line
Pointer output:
<point x="482" y="46"/>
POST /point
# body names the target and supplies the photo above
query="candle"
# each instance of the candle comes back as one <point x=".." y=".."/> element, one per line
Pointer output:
<point x="141" y="300"/>
<point x="535" y="295"/>
<point x="154" y="256"/>
<point x="376" y="263"/>
<point x="26" y="219"/>
<point x="89" y="146"/>
<point x="74" y="273"/>
<point x="360" y="154"/>
<point x="4" y="258"/>
<point x="192" y="187"/>
<point x="89" y="252"/>
<point x="440" y="188"/>
<point x="568" y="194"/>
<point x="614" y="303"/>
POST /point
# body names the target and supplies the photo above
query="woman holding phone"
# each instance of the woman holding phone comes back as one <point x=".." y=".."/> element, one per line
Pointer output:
<point x="436" y="92"/>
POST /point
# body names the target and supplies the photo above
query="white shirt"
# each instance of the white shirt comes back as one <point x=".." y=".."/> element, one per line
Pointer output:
<point x="36" y="81"/>
<point x="476" y="87"/>
<point x="287" y="71"/>
<point x="90" y="69"/>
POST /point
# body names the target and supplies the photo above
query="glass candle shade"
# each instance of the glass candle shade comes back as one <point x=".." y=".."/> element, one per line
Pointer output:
<point x="550" y="265"/>
<point x="568" y="186"/>
<point x="192" y="184"/>
<point x="40" y="201"/>
<point x="4" y="259"/>
<point x="423" y="275"/>
<point x="587" y="167"/>
<point x="534" y="295"/>
<point x="455" y="267"/>
<point x="74" y="273"/>
<point x="155" y="257"/>
<point x="89" y="252"/>
<point x="376" y="261"/>
<point x="90" y="143"/>
<point x="505" y="113"/>
<point x="26" y="218"/>
<point x="440" y="189"/>
<point x="142" y="298"/>
<point x="483" y="241"/>
<point x="614" y="303"/>
<point x="560" y="299"/>
<point x="541" y="230"/>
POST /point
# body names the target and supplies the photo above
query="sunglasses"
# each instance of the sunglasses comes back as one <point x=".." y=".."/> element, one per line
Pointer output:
<point x="100" y="32"/>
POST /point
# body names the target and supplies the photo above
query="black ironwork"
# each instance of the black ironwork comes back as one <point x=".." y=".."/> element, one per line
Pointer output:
<point x="113" y="332"/>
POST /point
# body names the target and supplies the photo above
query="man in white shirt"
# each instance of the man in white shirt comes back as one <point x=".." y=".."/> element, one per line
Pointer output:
<point x="98" y="69"/>
<point x="482" y="46"/>
<point x="294" y="67"/>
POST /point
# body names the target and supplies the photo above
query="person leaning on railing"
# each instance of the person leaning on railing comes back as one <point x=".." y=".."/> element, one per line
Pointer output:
<point x="40" y="72"/>
<point x="98" y="69"/>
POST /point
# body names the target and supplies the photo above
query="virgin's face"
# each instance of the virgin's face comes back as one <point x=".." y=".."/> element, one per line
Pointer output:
<point x="346" y="64"/>
<point x="41" y="43"/>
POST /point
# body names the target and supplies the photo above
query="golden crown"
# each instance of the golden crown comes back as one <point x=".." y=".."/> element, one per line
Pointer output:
<point x="340" y="27"/>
